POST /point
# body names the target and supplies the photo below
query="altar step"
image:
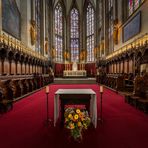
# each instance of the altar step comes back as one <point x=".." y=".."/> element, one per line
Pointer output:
<point x="75" y="81"/>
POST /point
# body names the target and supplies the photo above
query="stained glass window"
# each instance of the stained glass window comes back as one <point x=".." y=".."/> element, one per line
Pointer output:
<point x="133" y="5"/>
<point x="136" y="3"/>
<point x="130" y="5"/>
<point x="74" y="35"/>
<point x="90" y="33"/>
<point x="38" y="24"/>
<point x="58" y="33"/>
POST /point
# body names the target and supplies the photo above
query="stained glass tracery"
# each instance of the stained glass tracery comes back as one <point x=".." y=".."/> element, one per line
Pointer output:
<point x="74" y="35"/>
<point x="90" y="33"/>
<point x="133" y="5"/>
<point x="58" y="33"/>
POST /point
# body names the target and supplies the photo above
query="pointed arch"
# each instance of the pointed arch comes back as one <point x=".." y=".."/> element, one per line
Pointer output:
<point x="74" y="5"/>
<point x="62" y="3"/>
<point x="87" y="2"/>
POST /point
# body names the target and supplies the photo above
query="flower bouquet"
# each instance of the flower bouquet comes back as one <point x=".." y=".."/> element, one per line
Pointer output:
<point x="77" y="120"/>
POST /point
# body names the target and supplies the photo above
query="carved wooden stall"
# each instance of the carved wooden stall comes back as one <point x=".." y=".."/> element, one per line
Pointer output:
<point x="21" y="72"/>
<point x="124" y="73"/>
<point x="6" y="95"/>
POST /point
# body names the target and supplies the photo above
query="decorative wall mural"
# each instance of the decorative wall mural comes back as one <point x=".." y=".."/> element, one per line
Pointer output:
<point x="11" y="18"/>
<point x="132" y="28"/>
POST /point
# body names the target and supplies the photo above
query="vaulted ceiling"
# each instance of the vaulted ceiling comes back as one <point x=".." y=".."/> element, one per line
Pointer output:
<point x="69" y="3"/>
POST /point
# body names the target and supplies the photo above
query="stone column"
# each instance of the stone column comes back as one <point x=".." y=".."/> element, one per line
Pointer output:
<point x="42" y="26"/>
<point x="1" y="15"/>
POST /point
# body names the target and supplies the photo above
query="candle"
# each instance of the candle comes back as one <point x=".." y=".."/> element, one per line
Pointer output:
<point x="47" y="89"/>
<point x="101" y="89"/>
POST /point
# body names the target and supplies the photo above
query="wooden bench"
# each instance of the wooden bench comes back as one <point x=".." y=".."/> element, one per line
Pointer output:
<point x="143" y="105"/>
<point x="6" y="105"/>
<point x="132" y="100"/>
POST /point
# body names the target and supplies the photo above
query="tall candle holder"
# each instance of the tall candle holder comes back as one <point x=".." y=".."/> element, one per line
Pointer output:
<point x="48" y="120"/>
<point x="101" y="94"/>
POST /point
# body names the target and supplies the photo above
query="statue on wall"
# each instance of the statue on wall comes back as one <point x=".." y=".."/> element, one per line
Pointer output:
<point x="33" y="32"/>
<point x="83" y="55"/>
<point x="115" y="31"/>
<point x="95" y="52"/>
<point x="66" y="55"/>
<point x="53" y="52"/>
<point x="74" y="66"/>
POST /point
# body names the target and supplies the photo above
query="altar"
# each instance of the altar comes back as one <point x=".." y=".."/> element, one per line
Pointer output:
<point x="74" y="72"/>
<point x="71" y="73"/>
<point x="75" y="96"/>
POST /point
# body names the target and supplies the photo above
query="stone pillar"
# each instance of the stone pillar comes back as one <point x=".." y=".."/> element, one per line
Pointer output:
<point x="50" y="26"/>
<point x="105" y="28"/>
<point x="1" y="15"/>
<point x="42" y="26"/>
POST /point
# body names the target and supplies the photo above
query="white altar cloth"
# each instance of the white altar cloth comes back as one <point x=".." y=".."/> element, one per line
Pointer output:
<point x="93" y="103"/>
<point x="71" y="73"/>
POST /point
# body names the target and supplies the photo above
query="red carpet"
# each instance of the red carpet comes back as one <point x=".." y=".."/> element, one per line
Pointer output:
<point x="23" y="127"/>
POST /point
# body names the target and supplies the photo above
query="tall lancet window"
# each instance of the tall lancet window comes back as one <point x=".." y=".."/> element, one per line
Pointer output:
<point x="38" y="24"/>
<point x="58" y="33"/>
<point x="90" y="33"/>
<point x="74" y="35"/>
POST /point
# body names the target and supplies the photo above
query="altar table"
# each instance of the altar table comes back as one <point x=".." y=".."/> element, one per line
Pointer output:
<point x="75" y="96"/>
<point x="71" y="73"/>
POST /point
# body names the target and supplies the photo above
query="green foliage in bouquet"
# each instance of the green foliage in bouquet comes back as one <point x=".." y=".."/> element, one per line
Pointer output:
<point x="76" y="120"/>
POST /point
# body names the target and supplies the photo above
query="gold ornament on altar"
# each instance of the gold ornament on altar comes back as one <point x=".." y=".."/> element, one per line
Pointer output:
<point x="83" y="55"/>
<point x="33" y="32"/>
<point x="66" y="55"/>
<point x="53" y="52"/>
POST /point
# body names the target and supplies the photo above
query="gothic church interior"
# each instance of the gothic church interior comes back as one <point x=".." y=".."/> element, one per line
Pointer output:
<point x="74" y="42"/>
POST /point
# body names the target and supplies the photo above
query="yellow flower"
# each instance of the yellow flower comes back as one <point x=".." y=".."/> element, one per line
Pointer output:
<point x="76" y="116"/>
<point x="71" y="126"/>
<point x="70" y="116"/>
<point x="79" y="124"/>
<point x="78" y="111"/>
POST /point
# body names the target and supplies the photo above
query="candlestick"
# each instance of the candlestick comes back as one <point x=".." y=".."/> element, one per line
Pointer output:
<point x="101" y="93"/>
<point x="48" y="120"/>
<point x="101" y="89"/>
<point x="47" y="89"/>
